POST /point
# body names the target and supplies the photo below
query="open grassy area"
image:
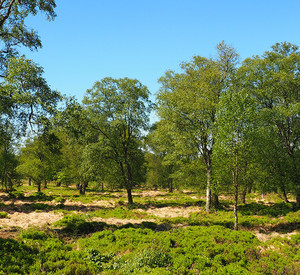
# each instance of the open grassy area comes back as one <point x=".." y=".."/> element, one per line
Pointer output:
<point x="59" y="232"/>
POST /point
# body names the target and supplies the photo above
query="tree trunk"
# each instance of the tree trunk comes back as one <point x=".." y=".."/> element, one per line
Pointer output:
<point x="39" y="186"/>
<point x="129" y="196"/>
<point x="236" y="190"/>
<point x="85" y="184"/>
<point x="82" y="187"/>
<point x="208" y="191"/>
<point x="170" y="185"/>
<point x="250" y="188"/>
<point x="236" y="219"/>
<point x="45" y="184"/>
<point x="79" y="187"/>
<point x="244" y="195"/>
<point x="29" y="182"/>
<point x="285" y="198"/>
<point x="298" y="200"/>
<point x="215" y="200"/>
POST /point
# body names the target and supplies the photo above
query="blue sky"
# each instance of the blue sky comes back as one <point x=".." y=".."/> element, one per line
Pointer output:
<point x="93" y="39"/>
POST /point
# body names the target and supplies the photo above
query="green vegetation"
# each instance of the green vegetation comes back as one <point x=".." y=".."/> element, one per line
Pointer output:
<point x="227" y="132"/>
<point x="192" y="250"/>
<point x="196" y="243"/>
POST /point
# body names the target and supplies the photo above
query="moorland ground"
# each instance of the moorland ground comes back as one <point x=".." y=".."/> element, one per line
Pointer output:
<point x="60" y="232"/>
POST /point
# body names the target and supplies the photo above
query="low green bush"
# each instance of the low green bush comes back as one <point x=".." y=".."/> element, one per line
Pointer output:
<point x="60" y="200"/>
<point x="3" y="215"/>
<point x="16" y="195"/>
<point x="77" y="224"/>
<point x="192" y="250"/>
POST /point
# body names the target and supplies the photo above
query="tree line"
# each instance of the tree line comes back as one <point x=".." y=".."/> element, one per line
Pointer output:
<point x="224" y="125"/>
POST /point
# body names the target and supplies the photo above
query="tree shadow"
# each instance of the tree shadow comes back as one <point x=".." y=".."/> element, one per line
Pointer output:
<point x="273" y="210"/>
<point x="84" y="228"/>
<point x="44" y="207"/>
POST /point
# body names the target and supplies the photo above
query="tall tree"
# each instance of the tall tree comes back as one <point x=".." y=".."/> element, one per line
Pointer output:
<point x="234" y="136"/>
<point x="188" y="103"/>
<point x="118" y="111"/>
<point x="273" y="81"/>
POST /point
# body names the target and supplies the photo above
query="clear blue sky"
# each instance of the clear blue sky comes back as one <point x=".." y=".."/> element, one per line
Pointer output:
<point x="93" y="39"/>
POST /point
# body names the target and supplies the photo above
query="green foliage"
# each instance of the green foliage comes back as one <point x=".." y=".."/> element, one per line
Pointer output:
<point x="3" y="215"/>
<point x="77" y="224"/>
<point x="98" y="259"/>
<point x="40" y="158"/>
<point x="17" y="195"/>
<point x="15" y="257"/>
<point x="60" y="200"/>
<point x="34" y="234"/>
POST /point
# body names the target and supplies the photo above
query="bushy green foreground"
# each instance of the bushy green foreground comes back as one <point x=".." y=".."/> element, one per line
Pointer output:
<point x="191" y="250"/>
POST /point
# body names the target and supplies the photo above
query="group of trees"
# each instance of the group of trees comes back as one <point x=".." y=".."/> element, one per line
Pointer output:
<point x="238" y="123"/>
<point x="223" y="125"/>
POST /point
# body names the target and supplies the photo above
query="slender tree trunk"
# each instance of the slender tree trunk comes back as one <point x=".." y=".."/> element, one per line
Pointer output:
<point x="82" y="187"/>
<point x="208" y="190"/>
<point x="298" y="200"/>
<point x="250" y="188"/>
<point x="244" y="195"/>
<point x="215" y="200"/>
<point x="129" y="182"/>
<point x="39" y="186"/>
<point x="170" y="185"/>
<point x="285" y="198"/>
<point x="236" y="190"/>
<point x="79" y="187"/>
<point x="129" y="196"/>
<point x="85" y="184"/>
<point x="45" y="184"/>
<point x="29" y="182"/>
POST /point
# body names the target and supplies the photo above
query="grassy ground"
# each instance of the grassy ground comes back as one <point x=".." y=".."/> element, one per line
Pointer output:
<point x="59" y="232"/>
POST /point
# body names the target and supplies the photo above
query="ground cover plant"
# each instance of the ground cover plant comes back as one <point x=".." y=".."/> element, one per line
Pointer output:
<point x="162" y="233"/>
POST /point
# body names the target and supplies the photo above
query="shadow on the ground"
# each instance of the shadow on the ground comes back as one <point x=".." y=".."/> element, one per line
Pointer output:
<point x="272" y="210"/>
<point x="40" y="206"/>
<point x="83" y="228"/>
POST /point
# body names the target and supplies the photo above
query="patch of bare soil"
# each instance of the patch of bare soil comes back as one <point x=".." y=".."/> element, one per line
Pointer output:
<point x="263" y="237"/>
<point x="104" y="203"/>
<point x="173" y="212"/>
<point x="25" y="220"/>
<point x="150" y="193"/>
